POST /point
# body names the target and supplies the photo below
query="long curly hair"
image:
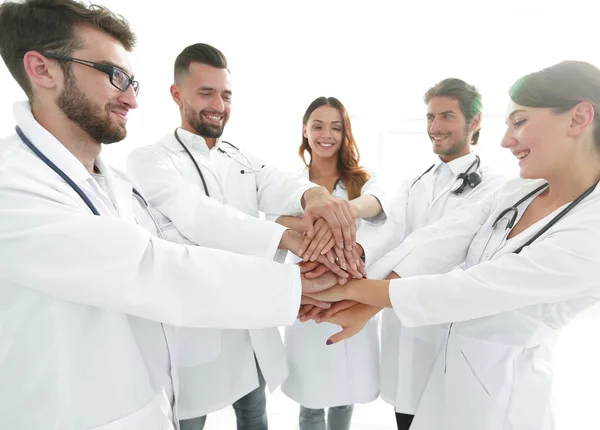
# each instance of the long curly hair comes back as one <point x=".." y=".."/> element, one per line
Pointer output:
<point x="352" y="175"/>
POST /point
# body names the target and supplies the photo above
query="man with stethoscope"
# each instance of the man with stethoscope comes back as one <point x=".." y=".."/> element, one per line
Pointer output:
<point x="212" y="192"/>
<point x="457" y="177"/>
<point x="85" y="284"/>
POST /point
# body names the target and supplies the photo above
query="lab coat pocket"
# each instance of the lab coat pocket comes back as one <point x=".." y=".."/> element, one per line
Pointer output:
<point x="490" y="363"/>
<point x="153" y="416"/>
<point x="241" y="190"/>
<point x="196" y="346"/>
<point x="474" y="374"/>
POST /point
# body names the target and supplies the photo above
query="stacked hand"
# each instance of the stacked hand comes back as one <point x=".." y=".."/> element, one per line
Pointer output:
<point x="331" y="258"/>
<point x="351" y="316"/>
<point x="330" y="225"/>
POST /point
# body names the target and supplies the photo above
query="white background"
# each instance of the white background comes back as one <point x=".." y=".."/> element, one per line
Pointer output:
<point x="378" y="57"/>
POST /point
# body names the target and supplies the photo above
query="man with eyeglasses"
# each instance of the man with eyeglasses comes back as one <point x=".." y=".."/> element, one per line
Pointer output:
<point x="87" y="290"/>
<point x="212" y="191"/>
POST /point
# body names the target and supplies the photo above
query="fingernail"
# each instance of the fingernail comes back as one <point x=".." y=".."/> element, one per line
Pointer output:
<point x="341" y="245"/>
<point x="353" y="266"/>
<point x="313" y="258"/>
<point x="329" y="342"/>
<point x="300" y="251"/>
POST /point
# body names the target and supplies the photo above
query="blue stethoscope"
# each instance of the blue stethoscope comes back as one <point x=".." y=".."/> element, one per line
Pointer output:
<point x="247" y="165"/>
<point x="74" y="186"/>
<point x="514" y="213"/>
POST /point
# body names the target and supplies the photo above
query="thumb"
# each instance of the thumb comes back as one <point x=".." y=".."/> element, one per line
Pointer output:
<point x="309" y="225"/>
<point x="341" y="335"/>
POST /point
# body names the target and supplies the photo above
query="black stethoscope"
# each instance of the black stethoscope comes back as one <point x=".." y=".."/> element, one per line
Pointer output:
<point x="247" y="168"/>
<point x="73" y="185"/>
<point x="514" y="211"/>
<point x="470" y="177"/>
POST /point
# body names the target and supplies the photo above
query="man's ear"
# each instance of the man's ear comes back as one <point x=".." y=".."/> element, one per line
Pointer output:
<point x="41" y="71"/>
<point x="475" y="123"/>
<point x="176" y="95"/>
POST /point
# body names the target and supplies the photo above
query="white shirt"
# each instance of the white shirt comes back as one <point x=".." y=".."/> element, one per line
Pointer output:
<point x="345" y="373"/>
<point x="505" y="309"/>
<point x="407" y="354"/>
<point x="217" y="366"/>
<point x="71" y="284"/>
<point x="422" y="200"/>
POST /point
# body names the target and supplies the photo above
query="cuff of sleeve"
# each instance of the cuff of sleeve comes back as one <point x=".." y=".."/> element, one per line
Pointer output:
<point x="405" y="269"/>
<point x="377" y="219"/>
<point x="296" y="295"/>
<point x="385" y="203"/>
<point x="406" y="304"/>
<point x="273" y="248"/>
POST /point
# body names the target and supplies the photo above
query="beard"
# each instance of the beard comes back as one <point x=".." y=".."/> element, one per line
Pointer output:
<point x="91" y="118"/>
<point x="459" y="145"/>
<point x="210" y="131"/>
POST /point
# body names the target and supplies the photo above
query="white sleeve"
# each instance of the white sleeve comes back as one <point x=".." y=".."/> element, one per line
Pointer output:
<point x="280" y="191"/>
<point x="201" y="219"/>
<point x="561" y="266"/>
<point x="438" y="247"/>
<point x="379" y="188"/>
<point x="377" y="240"/>
<point x="51" y="245"/>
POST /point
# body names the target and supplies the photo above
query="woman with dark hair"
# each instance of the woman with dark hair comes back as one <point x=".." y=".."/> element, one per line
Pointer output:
<point x="323" y="376"/>
<point x="529" y="256"/>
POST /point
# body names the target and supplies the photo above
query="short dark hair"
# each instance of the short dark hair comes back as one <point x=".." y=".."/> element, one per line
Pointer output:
<point x="198" y="53"/>
<point x="468" y="97"/>
<point x="561" y="87"/>
<point x="48" y="26"/>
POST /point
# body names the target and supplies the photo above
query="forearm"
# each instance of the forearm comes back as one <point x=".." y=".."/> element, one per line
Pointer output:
<point x="366" y="206"/>
<point x="370" y="292"/>
<point x="292" y="222"/>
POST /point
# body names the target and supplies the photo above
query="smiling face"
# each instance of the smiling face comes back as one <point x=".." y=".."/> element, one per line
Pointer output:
<point x="88" y="98"/>
<point x="447" y="128"/>
<point x="537" y="138"/>
<point x="204" y="97"/>
<point x="324" y="131"/>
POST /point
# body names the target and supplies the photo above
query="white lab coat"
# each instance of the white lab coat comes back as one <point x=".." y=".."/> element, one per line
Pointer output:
<point x="408" y="354"/>
<point x="345" y="373"/>
<point x="78" y="291"/>
<point x="217" y="367"/>
<point x="494" y="371"/>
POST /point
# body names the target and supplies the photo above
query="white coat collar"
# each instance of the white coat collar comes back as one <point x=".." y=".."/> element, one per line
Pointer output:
<point x="458" y="165"/>
<point x="49" y="145"/>
<point x="196" y="142"/>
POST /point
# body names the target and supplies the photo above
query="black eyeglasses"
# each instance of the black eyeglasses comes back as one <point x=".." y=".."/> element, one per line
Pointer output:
<point x="118" y="78"/>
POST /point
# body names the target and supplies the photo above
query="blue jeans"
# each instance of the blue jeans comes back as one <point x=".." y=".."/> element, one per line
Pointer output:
<point x="250" y="411"/>
<point x="338" y="418"/>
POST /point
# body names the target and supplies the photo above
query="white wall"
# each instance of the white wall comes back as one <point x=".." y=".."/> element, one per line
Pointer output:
<point x="378" y="57"/>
